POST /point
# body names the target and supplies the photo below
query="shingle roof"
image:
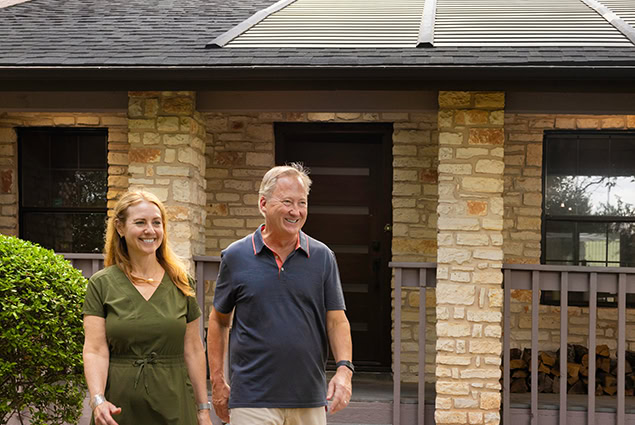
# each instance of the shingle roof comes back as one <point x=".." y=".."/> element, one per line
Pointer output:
<point x="167" y="34"/>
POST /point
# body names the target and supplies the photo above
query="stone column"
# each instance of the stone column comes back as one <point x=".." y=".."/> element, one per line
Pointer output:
<point x="167" y="158"/>
<point x="470" y="255"/>
<point x="8" y="182"/>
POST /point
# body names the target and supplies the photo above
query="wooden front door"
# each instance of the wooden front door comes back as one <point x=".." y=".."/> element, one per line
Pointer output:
<point x="350" y="210"/>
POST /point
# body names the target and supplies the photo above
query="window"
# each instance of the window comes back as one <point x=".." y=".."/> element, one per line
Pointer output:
<point x="589" y="203"/>
<point x="63" y="178"/>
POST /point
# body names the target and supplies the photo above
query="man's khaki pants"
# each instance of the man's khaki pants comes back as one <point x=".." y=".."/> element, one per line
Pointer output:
<point x="264" y="416"/>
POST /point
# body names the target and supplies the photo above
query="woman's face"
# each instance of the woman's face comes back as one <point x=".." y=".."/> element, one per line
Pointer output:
<point x="143" y="229"/>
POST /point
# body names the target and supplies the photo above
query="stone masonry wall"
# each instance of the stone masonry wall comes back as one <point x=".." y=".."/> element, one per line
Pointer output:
<point x="166" y="157"/>
<point x="522" y="227"/>
<point x="240" y="149"/>
<point x="469" y="258"/>
<point x="9" y="121"/>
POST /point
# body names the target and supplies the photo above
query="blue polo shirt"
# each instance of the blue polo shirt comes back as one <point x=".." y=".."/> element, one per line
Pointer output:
<point x="278" y="344"/>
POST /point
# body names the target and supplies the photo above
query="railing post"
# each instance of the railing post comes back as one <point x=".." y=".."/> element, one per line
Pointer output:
<point x="621" y="347"/>
<point x="593" y="307"/>
<point x="422" y="347"/>
<point x="396" y="404"/>
<point x="507" y="290"/>
<point x="564" y="320"/>
<point x="535" y="295"/>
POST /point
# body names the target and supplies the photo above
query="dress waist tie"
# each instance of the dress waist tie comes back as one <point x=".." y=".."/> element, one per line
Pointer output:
<point x="141" y="364"/>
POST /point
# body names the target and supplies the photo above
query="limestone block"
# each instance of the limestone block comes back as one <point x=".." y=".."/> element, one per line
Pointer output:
<point x="455" y="169"/>
<point x="141" y="124"/>
<point x="177" y="105"/>
<point x="487" y="276"/>
<point x="482" y="184"/>
<point x="7" y="150"/>
<point x="446" y="153"/>
<point x="461" y="277"/>
<point x="320" y="116"/>
<point x="87" y="120"/>
<point x="484" y="316"/>
<point x="489" y="100"/>
<point x="452" y="387"/>
<point x="445" y="118"/>
<point x="587" y="123"/>
<point x="116" y="158"/>
<point x="485" y="347"/>
<point x="495" y="297"/>
<point x="144" y="155"/>
<point x="489" y="166"/>
<point x="150" y="138"/>
<point x="475" y="417"/>
<point x="565" y="122"/>
<point x="406" y="189"/>
<point x="411" y="136"/>
<point x="166" y="170"/>
<point x="405" y="175"/>
<point x="528" y="223"/>
<point x="630" y="121"/>
<point x="488" y="254"/>
<point x="467" y="153"/>
<point x="497" y="118"/>
<point x="8" y="135"/>
<point x="490" y="400"/>
<point x="457" y="294"/>
<point x="443" y="403"/>
<point x="494" y="224"/>
<point x="450" y="255"/>
<point x="455" y="99"/>
<point x="395" y="116"/>
<point x="465" y="403"/>
<point x="449" y="223"/>
<point x="444" y="344"/>
<point x="493" y="331"/>
<point x="448" y="329"/>
<point x="404" y="150"/>
<point x="486" y="136"/>
<point x="448" y="138"/>
<point x="492" y="418"/>
<point x="472" y="239"/>
<point x="414" y="246"/>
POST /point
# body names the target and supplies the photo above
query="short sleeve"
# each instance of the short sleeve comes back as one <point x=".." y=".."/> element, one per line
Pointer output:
<point x="193" y="309"/>
<point x="224" y="296"/>
<point x="94" y="302"/>
<point x="333" y="294"/>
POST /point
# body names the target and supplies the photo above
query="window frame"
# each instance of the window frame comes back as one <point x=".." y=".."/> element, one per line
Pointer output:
<point x="577" y="298"/>
<point x="50" y="209"/>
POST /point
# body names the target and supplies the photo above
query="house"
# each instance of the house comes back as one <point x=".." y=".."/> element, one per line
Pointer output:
<point x="492" y="138"/>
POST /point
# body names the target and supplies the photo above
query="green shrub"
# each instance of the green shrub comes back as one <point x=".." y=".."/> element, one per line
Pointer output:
<point x="41" y="335"/>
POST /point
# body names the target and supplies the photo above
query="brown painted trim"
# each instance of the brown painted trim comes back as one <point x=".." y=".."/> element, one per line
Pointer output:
<point x="65" y="101"/>
<point x="562" y="102"/>
<point x="612" y="18"/>
<point x="245" y="25"/>
<point x="426" y="30"/>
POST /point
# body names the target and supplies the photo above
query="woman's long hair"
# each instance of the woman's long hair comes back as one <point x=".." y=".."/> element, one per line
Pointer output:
<point x="116" y="250"/>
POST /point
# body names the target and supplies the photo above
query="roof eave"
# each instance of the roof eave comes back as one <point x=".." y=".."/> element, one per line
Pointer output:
<point x="268" y="77"/>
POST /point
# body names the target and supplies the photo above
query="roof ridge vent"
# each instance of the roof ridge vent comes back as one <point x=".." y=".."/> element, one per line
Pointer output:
<point x="612" y="18"/>
<point x="7" y="3"/>
<point x="257" y="17"/>
<point x="426" y="30"/>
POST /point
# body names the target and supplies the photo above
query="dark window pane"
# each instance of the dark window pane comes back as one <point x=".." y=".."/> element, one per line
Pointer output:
<point x="561" y="156"/>
<point x="568" y="196"/>
<point x="92" y="151"/>
<point x="625" y="232"/>
<point x="64" y="151"/>
<point x="593" y="156"/>
<point x="559" y="243"/>
<point x="623" y="156"/>
<point x="93" y="186"/>
<point x="65" y="191"/>
<point x="65" y="232"/>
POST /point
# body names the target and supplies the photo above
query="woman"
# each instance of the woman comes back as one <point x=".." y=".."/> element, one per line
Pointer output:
<point x="143" y="357"/>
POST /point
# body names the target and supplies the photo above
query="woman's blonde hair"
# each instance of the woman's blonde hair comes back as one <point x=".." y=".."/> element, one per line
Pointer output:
<point x="116" y="250"/>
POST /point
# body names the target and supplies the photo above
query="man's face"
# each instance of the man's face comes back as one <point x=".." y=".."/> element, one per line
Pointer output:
<point x="286" y="209"/>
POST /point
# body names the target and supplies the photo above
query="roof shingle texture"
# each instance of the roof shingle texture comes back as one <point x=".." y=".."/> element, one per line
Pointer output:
<point x="171" y="33"/>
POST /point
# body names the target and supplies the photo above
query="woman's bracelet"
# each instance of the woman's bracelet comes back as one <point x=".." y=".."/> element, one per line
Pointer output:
<point x="96" y="401"/>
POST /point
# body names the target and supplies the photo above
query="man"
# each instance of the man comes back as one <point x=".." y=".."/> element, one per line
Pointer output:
<point x="284" y="289"/>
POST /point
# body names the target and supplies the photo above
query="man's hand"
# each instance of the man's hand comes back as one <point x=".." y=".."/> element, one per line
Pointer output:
<point x="104" y="412"/>
<point x="220" y="400"/>
<point x="340" y="389"/>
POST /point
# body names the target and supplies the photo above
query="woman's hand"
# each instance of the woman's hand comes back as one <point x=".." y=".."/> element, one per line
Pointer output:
<point x="203" y="417"/>
<point x="104" y="413"/>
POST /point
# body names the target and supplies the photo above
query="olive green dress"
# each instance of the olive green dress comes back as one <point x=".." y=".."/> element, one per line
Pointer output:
<point x="147" y="376"/>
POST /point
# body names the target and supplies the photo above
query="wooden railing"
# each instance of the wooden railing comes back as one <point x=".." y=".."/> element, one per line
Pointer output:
<point x="564" y="279"/>
<point x="206" y="268"/>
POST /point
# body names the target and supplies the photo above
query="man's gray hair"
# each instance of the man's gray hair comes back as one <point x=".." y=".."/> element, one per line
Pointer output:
<point x="270" y="179"/>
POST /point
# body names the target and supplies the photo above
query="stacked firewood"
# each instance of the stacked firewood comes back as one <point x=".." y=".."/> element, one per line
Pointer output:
<point x="577" y="374"/>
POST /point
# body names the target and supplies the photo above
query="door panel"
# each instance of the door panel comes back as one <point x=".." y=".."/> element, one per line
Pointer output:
<point x="349" y="205"/>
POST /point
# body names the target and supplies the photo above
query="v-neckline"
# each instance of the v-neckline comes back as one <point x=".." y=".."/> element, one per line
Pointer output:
<point x="139" y="292"/>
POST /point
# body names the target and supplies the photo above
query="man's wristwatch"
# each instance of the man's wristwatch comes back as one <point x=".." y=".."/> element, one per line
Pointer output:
<point x="96" y="401"/>
<point x="205" y="406"/>
<point x="346" y="363"/>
